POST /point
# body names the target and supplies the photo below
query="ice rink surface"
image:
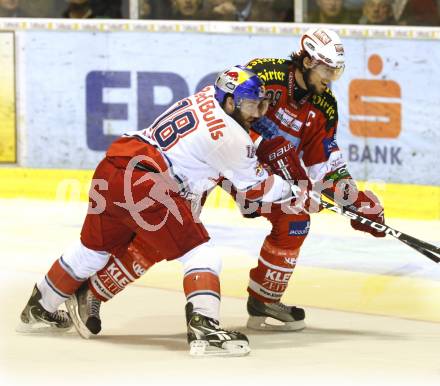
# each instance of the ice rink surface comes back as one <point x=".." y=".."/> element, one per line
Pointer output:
<point x="143" y="339"/>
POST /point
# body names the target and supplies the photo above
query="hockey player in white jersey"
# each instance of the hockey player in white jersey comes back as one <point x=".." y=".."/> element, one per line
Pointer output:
<point x="141" y="212"/>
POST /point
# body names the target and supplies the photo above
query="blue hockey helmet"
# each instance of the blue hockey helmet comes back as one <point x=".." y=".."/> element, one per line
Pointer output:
<point x="241" y="83"/>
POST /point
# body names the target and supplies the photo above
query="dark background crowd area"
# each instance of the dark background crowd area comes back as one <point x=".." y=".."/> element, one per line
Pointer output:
<point x="369" y="12"/>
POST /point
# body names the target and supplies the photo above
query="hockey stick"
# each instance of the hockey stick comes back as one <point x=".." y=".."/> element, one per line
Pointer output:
<point x="426" y="249"/>
<point x="423" y="251"/>
<point x="423" y="247"/>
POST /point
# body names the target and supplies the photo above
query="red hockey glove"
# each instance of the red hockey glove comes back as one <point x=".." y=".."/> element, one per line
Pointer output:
<point x="280" y="156"/>
<point x="369" y="206"/>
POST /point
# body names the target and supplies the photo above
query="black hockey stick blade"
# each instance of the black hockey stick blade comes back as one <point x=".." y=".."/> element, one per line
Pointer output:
<point x="423" y="251"/>
<point x="423" y="247"/>
<point x="423" y="244"/>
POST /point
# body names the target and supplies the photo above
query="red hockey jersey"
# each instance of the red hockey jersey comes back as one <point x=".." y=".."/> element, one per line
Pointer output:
<point x="309" y="124"/>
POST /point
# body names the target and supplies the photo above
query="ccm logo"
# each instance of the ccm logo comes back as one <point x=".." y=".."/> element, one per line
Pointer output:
<point x="280" y="151"/>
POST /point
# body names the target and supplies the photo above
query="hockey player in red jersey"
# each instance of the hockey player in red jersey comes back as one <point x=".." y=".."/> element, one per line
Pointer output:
<point x="304" y="112"/>
<point x="142" y="211"/>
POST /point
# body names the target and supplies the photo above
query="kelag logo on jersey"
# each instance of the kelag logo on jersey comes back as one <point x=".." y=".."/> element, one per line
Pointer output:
<point x="299" y="228"/>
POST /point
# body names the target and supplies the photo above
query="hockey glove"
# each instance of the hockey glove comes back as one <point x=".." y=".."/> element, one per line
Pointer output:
<point x="280" y="157"/>
<point x="266" y="128"/>
<point x="369" y="206"/>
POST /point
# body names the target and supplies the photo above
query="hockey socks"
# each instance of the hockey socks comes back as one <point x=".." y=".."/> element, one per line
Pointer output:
<point x="118" y="273"/>
<point x="68" y="273"/>
<point x="269" y="279"/>
<point x="202" y="289"/>
<point x="58" y="284"/>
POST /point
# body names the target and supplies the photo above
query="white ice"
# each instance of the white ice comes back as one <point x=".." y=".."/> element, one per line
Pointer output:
<point x="143" y="340"/>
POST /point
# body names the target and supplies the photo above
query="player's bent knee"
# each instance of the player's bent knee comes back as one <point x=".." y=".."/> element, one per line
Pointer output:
<point x="202" y="256"/>
<point x="84" y="261"/>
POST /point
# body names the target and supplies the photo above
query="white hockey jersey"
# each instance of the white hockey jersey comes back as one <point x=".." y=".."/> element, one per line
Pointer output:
<point x="202" y="144"/>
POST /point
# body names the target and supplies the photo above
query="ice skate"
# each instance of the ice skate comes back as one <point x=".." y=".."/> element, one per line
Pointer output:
<point x="84" y="308"/>
<point x="207" y="338"/>
<point x="274" y="316"/>
<point x="35" y="319"/>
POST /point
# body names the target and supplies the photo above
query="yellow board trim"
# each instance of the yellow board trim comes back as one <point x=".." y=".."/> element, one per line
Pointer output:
<point x="7" y="99"/>
<point x="45" y="184"/>
<point x="400" y="200"/>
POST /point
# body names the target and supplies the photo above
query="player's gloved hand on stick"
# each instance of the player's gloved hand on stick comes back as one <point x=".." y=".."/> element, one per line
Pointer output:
<point x="368" y="205"/>
<point x="266" y="128"/>
<point x="280" y="158"/>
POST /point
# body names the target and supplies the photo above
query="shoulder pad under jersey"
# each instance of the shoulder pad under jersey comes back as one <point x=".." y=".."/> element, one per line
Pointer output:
<point x="327" y="104"/>
<point x="270" y="70"/>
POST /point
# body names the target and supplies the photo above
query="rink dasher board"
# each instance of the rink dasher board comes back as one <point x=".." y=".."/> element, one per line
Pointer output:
<point x="120" y="87"/>
<point x="405" y="201"/>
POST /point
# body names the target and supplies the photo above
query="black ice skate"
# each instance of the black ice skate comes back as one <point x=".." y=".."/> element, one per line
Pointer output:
<point x="274" y="316"/>
<point x="36" y="319"/>
<point x="84" y="309"/>
<point x="206" y="338"/>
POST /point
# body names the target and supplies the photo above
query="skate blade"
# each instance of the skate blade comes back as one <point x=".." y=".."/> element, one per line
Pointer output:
<point x="80" y="327"/>
<point x="40" y="328"/>
<point x="266" y="323"/>
<point x="236" y="348"/>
